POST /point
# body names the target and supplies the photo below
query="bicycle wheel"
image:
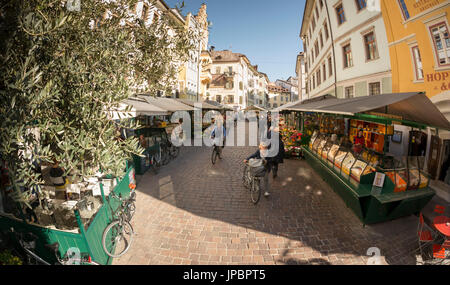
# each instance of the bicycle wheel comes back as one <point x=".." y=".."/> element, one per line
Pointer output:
<point x="214" y="156"/>
<point x="165" y="156"/>
<point x="255" y="192"/>
<point x="131" y="211"/>
<point x="117" y="238"/>
<point x="174" y="151"/>
<point x="246" y="180"/>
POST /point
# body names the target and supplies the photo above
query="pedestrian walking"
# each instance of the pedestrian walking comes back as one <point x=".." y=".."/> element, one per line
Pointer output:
<point x="279" y="158"/>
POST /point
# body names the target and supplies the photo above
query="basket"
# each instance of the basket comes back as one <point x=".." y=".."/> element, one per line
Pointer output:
<point x="257" y="168"/>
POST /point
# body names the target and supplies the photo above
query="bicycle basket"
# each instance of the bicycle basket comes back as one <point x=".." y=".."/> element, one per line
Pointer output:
<point x="257" y="168"/>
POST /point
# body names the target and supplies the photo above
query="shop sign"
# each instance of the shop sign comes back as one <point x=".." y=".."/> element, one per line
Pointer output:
<point x="442" y="79"/>
<point x="379" y="180"/>
<point x="423" y="5"/>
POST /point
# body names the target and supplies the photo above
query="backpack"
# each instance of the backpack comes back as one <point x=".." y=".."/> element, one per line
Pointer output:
<point x="257" y="167"/>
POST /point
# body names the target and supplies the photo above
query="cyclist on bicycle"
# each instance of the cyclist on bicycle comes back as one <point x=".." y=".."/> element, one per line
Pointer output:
<point x="262" y="153"/>
<point x="218" y="139"/>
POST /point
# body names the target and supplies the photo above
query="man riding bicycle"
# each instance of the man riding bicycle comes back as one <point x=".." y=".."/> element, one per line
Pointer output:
<point x="218" y="135"/>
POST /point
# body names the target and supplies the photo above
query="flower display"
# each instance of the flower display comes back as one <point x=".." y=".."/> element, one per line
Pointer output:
<point x="292" y="141"/>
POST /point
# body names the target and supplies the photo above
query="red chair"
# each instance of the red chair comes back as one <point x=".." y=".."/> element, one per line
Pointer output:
<point x="439" y="209"/>
<point x="438" y="251"/>
<point x="424" y="235"/>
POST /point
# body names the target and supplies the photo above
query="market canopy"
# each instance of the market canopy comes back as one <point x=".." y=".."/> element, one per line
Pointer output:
<point x="168" y="104"/>
<point x="217" y="104"/>
<point x="414" y="106"/>
<point x="254" y="108"/>
<point x="139" y="107"/>
<point x="285" y="106"/>
<point x="205" y="106"/>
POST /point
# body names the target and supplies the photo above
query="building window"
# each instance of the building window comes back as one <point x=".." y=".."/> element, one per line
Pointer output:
<point x="217" y="70"/>
<point x="441" y="42"/>
<point x="360" y="4"/>
<point x="218" y="98"/>
<point x="374" y="88"/>
<point x="349" y="92"/>
<point x="371" y="46"/>
<point x="316" y="45"/>
<point x="324" y="69"/>
<point x="319" y="79"/>
<point x="417" y="63"/>
<point x="325" y="27"/>
<point x="313" y="23"/>
<point x="230" y="69"/>
<point x="340" y="13"/>
<point x="240" y="100"/>
<point x="314" y="81"/>
<point x="321" y="4"/>
<point x="230" y="99"/>
<point x="330" y="66"/>
<point x="404" y="9"/>
<point x="229" y="85"/>
<point x="348" y="61"/>
<point x="321" y="39"/>
<point x="317" y="12"/>
<point x="275" y="105"/>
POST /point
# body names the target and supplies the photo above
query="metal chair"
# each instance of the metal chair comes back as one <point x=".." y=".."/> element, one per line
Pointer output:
<point x="425" y="238"/>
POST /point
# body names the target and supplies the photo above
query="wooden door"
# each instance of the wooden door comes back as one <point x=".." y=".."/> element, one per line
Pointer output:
<point x="433" y="160"/>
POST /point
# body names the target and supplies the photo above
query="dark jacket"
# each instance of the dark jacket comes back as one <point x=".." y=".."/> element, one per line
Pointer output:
<point x="279" y="158"/>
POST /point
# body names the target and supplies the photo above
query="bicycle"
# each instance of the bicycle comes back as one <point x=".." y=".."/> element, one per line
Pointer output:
<point x="27" y="244"/>
<point x="251" y="180"/>
<point x="216" y="153"/>
<point x="118" y="235"/>
<point x="154" y="160"/>
<point x="169" y="152"/>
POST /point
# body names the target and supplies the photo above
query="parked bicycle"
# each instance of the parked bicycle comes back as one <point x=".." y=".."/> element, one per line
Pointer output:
<point x="154" y="160"/>
<point x="254" y="171"/>
<point x="169" y="152"/>
<point x="27" y="243"/>
<point x="216" y="153"/>
<point x="118" y="235"/>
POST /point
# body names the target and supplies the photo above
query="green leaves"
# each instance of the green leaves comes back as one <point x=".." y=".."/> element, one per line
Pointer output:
<point x="60" y="71"/>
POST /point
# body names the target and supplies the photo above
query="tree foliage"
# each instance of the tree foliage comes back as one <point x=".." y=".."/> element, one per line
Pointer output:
<point x="61" y="69"/>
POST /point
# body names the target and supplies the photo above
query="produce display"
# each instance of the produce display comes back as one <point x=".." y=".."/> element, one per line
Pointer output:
<point x="339" y="158"/>
<point x="348" y="163"/>
<point x="358" y="169"/>
<point x="399" y="182"/>
<point x="292" y="141"/>
<point x="332" y="153"/>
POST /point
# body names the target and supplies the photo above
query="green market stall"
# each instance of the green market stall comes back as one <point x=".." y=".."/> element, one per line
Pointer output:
<point x="375" y="185"/>
<point x="70" y="222"/>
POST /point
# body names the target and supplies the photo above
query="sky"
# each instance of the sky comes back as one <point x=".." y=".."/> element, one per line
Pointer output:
<point x="266" y="31"/>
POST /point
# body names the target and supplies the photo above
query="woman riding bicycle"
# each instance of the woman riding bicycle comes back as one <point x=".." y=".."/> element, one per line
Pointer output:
<point x="262" y="153"/>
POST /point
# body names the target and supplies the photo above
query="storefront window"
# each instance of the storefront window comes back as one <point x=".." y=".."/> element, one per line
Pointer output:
<point x="349" y="92"/>
<point x="374" y="88"/>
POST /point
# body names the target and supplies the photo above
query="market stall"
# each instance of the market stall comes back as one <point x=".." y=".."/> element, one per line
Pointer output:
<point x="349" y="147"/>
<point x="73" y="215"/>
<point x="155" y="128"/>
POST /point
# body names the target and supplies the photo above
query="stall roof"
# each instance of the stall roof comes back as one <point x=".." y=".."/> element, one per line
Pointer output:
<point x="285" y="106"/>
<point x="168" y="104"/>
<point x="139" y="107"/>
<point x="217" y="104"/>
<point x="253" y="107"/>
<point x="205" y="105"/>
<point x="414" y="106"/>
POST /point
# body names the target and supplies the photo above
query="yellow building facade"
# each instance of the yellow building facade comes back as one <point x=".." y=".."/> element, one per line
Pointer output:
<point x="419" y="48"/>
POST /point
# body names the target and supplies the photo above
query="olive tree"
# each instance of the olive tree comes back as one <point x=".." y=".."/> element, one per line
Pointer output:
<point x="63" y="69"/>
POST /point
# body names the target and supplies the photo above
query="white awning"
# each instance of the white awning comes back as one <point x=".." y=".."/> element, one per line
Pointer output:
<point x="415" y="107"/>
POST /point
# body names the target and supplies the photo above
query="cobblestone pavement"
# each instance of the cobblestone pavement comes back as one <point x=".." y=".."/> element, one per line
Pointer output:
<point x="195" y="213"/>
